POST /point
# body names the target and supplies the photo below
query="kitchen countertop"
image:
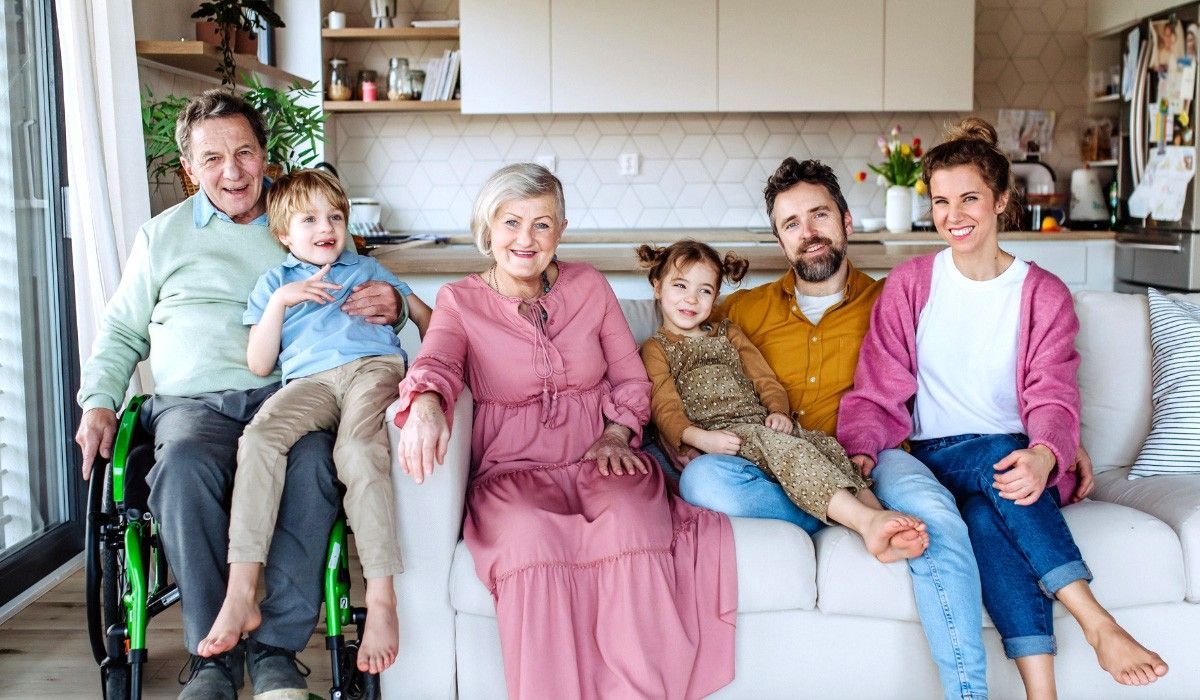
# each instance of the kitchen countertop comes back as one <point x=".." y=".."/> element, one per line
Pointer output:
<point x="612" y="251"/>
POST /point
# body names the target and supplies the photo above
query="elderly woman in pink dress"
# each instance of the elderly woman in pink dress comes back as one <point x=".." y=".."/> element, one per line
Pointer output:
<point x="606" y="584"/>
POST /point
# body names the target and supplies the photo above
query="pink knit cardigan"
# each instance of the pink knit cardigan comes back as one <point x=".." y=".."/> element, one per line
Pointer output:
<point x="877" y="413"/>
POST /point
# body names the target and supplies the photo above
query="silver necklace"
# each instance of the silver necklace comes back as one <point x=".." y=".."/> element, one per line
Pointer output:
<point x="495" y="284"/>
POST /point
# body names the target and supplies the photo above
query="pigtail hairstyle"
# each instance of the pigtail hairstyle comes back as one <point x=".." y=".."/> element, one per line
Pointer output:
<point x="659" y="261"/>
<point x="973" y="142"/>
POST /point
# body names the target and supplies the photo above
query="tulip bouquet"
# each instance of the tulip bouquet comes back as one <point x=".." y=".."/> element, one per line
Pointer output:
<point x="901" y="165"/>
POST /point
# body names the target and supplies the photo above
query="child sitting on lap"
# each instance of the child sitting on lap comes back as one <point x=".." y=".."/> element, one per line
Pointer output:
<point x="713" y="390"/>
<point x="339" y="371"/>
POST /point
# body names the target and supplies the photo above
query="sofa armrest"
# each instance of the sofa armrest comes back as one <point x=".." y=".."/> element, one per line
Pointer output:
<point x="429" y="520"/>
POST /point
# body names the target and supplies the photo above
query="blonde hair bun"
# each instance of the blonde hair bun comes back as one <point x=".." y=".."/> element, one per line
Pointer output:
<point x="973" y="129"/>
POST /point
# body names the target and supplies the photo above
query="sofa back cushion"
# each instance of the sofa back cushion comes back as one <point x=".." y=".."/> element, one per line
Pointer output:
<point x="1114" y="376"/>
<point x="643" y="317"/>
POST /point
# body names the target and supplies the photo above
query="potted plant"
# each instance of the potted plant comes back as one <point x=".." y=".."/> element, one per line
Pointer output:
<point x="229" y="19"/>
<point x="901" y="173"/>
<point x="293" y="130"/>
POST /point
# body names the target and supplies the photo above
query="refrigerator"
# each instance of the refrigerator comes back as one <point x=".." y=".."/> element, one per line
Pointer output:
<point x="1160" y="120"/>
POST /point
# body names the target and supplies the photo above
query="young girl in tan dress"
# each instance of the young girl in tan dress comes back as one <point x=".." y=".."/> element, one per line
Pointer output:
<point x="712" y="390"/>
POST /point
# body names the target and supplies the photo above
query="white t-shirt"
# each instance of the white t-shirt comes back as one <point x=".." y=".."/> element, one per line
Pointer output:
<point x="967" y="353"/>
<point x="814" y="308"/>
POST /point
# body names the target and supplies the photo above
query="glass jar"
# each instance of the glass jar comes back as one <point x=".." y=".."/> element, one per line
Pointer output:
<point x="368" y="91"/>
<point x="397" y="80"/>
<point x="417" y="78"/>
<point x="339" y="81"/>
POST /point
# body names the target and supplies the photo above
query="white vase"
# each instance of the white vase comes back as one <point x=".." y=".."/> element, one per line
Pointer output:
<point x="898" y="212"/>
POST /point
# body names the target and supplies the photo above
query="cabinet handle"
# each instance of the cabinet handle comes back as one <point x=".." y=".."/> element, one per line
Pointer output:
<point x="1152" y="246"/>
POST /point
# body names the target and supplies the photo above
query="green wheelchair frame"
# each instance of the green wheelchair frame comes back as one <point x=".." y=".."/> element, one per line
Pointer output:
<point x="128" y="583"/>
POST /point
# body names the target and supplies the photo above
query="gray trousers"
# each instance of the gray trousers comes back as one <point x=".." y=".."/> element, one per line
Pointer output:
<point x="195" y="451"/>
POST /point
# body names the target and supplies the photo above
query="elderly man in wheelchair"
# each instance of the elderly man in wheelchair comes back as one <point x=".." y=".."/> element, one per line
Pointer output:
<point x="180" y="305"/>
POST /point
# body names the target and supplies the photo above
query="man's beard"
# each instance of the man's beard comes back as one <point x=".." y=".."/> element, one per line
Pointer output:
<point x="824" y="267"/>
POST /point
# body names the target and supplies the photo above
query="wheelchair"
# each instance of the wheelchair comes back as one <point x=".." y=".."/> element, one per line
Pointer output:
<point x="128" y="580"/>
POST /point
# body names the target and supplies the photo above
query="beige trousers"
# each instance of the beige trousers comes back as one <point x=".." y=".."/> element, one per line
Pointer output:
<point x="352" y="398"/>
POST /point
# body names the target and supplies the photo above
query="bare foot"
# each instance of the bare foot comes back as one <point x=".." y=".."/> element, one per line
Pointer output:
<point x="381" y="635"/>
<point x="238" y="615"/>
<point x="1120" y="654"/>
<point x="891" y="536"/>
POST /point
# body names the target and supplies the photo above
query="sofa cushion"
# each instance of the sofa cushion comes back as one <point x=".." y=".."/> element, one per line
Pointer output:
<point x="643" y="317"/>
<point x="1175" y="500"/>
<point x="1173" y="445"/>
<point x="1135" y="558"/>
<point x="1114" y="376"/>
<point x="775" y="561"/>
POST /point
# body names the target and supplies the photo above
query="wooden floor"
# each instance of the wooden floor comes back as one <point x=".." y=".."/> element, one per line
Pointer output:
<point x="45" y="653"/>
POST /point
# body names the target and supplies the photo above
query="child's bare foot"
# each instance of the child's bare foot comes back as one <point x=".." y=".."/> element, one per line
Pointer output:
<point x="238" y="614"/>
<point x="381" y="633"/>
<point x="891" y="536"/>
<point x="1120" y="654"/>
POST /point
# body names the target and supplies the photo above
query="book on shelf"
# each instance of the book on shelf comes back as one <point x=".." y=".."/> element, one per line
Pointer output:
<point x="441" y="76"/>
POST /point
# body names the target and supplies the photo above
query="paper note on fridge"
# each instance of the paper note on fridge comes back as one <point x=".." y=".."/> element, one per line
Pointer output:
<point x="1164" y="187"/>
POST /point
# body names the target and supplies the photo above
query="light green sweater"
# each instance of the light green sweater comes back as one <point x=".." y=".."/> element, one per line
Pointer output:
<point x="180" y="303"/>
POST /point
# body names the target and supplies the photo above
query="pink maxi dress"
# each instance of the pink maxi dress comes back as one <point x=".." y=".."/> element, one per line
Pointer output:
<point x="605" y="587"/>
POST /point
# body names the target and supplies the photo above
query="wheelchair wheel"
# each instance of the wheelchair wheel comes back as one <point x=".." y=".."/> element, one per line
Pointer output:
<point x="104" y="585"/>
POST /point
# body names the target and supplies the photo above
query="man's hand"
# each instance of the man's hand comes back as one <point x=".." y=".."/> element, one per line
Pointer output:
<point x="1087" y="481"/>
<point x="864" y="463"/>
<point x="714" y="442"/>
<point x="96" y="431"/>
<point x="376" y="301"/>
<point x="1021" y="476"/>
<point x="314" y="288"/>
<point x="780" y="423"/>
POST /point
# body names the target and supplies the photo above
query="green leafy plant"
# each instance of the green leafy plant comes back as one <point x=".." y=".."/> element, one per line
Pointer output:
<point x="158" y="126"/>
<point x="293" y="130"/>
<point x="232" y="16"/>
<point x="902" y="162"/>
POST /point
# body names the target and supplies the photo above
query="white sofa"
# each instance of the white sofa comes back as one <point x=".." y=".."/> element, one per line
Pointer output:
<point x="843" y="625"/>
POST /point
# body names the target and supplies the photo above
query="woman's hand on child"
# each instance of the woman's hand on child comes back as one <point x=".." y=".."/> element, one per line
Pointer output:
<point x="779" y="422"/>
<point x="1021" y="476"/>
<point x="424" y="438"/>
<point x="864" y="463"/>
<point x="714" y="442"/>
<point x="314" y="288"/>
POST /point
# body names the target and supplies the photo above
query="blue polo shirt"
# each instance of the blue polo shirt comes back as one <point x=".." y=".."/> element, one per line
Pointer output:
<point x="203" y="210"/>
<point x="317" y="337"/>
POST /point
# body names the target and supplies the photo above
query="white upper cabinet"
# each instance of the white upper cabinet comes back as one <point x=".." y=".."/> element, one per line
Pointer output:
<point x="1146" y="8"/>
<point x="633" y="55"/>
<point x="783" y="55"/>
<point x="1104" y="16"/>
<point x="929" y="55"/>
<point x="505" y="56"/>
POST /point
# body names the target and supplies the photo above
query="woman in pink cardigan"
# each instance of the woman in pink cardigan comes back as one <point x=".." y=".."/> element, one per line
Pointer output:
<point x="971" y="356"/>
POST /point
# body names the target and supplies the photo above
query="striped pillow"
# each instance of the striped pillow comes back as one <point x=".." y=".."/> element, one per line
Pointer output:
<point x="1173" y="446"/>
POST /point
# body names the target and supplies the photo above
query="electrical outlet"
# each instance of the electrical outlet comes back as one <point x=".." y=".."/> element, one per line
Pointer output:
<point x="547" y="162"/>
<point x="631" y="163"/>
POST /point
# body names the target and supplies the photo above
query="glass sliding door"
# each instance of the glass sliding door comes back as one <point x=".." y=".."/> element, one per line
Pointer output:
<point x="40" y="518"/>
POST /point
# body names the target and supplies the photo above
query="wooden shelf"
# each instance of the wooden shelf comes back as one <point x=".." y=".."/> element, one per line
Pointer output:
<point x="202" y="59"/>
<point x="393" y="34"/>
<point x="1102" y="163"/>
<point x="351" y="106"/>
<point x="1106" y="98"/>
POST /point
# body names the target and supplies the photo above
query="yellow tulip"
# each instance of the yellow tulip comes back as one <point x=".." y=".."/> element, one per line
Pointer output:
<point x="905" y="150"/>
<point x="920" y="187"/>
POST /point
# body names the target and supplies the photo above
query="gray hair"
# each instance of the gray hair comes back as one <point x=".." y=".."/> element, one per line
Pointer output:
<point x="512" y="182"/>
<point x="216" y="104"/>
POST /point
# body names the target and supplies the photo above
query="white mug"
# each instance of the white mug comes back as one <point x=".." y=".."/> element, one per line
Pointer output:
<point x="336" y="20"/>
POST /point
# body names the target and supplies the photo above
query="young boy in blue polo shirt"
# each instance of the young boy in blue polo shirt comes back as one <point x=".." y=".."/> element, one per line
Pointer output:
<point x="339" y="371"/>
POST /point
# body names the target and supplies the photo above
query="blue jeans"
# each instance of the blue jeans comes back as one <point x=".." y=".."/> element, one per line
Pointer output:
<point x="1025" y="553"/>
<point x="945" y="578"/>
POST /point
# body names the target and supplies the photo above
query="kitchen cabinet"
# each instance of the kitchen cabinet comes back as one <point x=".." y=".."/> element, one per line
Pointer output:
<point x="505" y="56"/>
<point x="1106" y="16"/>
<point x="781" y="55"/>
<point x="1146" y="8"/>
<point x="633" y="55"/>
<point x="911" y="80"/>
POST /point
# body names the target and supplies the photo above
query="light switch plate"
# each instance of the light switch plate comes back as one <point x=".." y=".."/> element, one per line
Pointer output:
<point x="631" y="163"/>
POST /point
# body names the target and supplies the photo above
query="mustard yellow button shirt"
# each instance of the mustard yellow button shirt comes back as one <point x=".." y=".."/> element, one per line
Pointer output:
<point x="815" y="363"/>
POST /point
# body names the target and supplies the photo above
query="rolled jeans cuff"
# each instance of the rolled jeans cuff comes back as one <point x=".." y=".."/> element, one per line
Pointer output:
<point x="1060" y="576"/>
<point x="1032" y="645"/>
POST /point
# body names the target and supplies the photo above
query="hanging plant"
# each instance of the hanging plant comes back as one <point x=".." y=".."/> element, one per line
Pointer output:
<point x="232" y="16"/>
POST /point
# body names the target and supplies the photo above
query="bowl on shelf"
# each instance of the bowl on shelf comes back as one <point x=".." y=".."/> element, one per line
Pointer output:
<point x="871" y="224"/>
